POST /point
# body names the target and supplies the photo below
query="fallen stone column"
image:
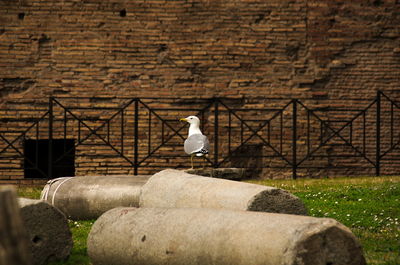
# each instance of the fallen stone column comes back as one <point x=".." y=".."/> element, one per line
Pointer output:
<point x="83" y="198"/>
<point x="186" y="236"/>
<point x="14" y="242"/>
<point x="177" y="189"/>
<point x="49" y="233"/>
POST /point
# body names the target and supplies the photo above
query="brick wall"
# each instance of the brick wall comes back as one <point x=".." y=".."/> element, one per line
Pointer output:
<point x="311" y="49"/>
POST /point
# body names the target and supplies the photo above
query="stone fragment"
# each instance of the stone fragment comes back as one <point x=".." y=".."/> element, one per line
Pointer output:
<point x="185" y="236"/>
<point x="176" y="189"/>
<point x="49" y="233"/>
<point x="14" y="243"/>
<point x="222" y="173"/>
<point x="82" y="198"/>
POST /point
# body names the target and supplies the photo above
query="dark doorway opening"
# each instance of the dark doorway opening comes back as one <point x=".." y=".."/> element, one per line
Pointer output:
<point x="36" y="162"/>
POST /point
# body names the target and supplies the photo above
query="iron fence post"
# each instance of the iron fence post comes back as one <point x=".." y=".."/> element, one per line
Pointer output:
<point x="294" y="139"/>
<point x="216" y="114"/>
<point x="136" y="139"/>
<point x="50" y="147"/>
<point x="378" y="134"/>
<point x="122" y="131"/>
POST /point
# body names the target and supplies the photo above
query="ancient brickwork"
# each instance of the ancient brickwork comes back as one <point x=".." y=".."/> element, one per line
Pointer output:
<point x="319" y="50"/>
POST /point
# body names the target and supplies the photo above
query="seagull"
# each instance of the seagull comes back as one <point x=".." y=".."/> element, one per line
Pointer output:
<point x="196" y="144"/>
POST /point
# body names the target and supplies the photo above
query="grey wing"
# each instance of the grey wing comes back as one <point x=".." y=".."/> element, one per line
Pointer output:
<point x="196" y="143"/>
<point x="206" y="145"/>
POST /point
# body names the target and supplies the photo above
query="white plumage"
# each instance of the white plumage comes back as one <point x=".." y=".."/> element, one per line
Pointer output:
<point x="196" y="144"/>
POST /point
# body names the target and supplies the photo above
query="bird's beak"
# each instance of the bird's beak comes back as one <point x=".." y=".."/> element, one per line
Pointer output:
<point x="183" y="119"/>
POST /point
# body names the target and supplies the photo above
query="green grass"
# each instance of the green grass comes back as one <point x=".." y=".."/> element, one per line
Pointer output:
<point x="369" y="206"/>
<point x="29" y="192"/>
<point x="80" y="231"/>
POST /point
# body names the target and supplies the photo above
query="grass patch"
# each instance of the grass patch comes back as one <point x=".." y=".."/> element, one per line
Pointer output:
<point x="29" y="192"/>
<point x="369" y="206"/>
<point x="80" y="231"/>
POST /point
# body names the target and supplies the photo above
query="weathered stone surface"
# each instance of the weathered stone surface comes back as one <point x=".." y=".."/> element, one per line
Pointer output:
<point x="149" y="236"/>
<point x="49" y="233"/>
<point x="174" y="188"/>
<point x="222" y="173"/>
<point x="88" y="197"/>
<point x="14" y="242"/>
<point x="200" y="48"/>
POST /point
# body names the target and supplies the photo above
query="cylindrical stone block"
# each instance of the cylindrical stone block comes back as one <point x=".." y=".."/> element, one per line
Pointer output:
<point x="173" y="188"/>
<point x="186" y="236"/>
<point x="14" y="242"/>
<point x="49" y="233"/>
<point x="83" y="198"/>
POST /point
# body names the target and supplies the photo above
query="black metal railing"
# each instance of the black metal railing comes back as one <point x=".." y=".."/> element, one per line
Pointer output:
<point x="139" y="135"/>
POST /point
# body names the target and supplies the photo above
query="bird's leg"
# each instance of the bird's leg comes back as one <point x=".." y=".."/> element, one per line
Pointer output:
<point x="203" y="163"/>
<point x="191" y="160"/>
